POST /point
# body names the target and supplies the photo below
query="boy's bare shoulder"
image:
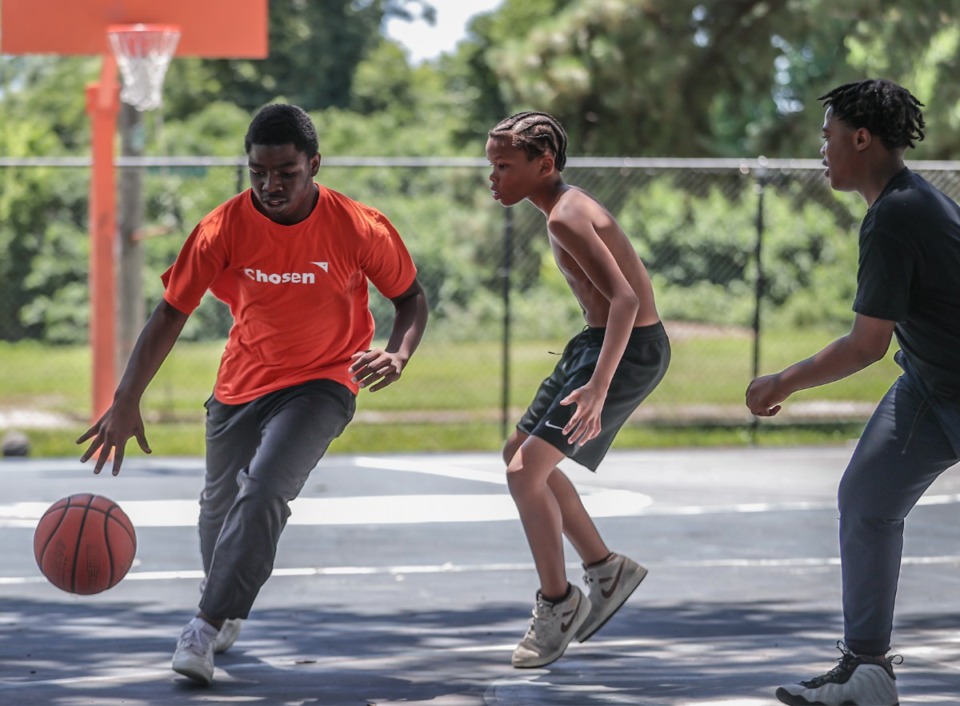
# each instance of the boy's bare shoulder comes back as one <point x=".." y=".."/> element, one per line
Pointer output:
<point x="576" y="204"/>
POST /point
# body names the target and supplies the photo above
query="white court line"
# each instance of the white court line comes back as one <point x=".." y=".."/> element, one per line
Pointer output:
<point x="450" y="568"/>
<point x="430" y="467"/>
<point x="418" y="509"/>
<point x="424" y="508"/>
<point x="365" y="510"/>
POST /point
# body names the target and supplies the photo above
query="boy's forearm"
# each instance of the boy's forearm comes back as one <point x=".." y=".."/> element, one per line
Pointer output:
<point x="409" y="323"/>
<point x="619" y="326"/>
<point x="153" y="346"/>
<point x="836" y="361"/>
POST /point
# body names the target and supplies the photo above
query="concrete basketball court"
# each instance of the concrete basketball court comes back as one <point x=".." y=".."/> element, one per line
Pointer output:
<point x="406" y="579"/>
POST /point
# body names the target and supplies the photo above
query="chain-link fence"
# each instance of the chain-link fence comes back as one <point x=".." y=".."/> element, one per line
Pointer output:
<point x="753" y="261"/>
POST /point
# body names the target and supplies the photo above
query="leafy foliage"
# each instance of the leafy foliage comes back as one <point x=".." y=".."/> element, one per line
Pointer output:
<point x="698" y="78"/>
<point x="691" y="78"/>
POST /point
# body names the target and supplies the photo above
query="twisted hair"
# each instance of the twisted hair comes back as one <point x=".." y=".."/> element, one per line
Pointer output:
<point x="887" y="110"/>
<point x="536" y="134"/>
<point x="282" y="124"/>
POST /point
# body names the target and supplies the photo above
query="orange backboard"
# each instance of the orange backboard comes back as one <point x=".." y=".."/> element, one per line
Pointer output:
<point x="208" y="28"/>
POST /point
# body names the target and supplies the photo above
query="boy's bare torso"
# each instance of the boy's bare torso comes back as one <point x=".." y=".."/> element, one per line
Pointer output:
<point x="596" y="306"/>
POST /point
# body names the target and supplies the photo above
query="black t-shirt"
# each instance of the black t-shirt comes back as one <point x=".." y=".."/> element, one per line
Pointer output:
<point x="909" y="272"/>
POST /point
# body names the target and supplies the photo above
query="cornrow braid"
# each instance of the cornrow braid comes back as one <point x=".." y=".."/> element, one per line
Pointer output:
<point x="536" y="134"/>
<point x="887" y="110"/>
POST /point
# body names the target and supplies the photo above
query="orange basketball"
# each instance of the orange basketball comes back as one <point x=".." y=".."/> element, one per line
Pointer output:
<point x="84" y="544"/>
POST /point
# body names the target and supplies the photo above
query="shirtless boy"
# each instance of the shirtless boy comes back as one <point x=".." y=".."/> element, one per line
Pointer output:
<point x="605" y="372"/>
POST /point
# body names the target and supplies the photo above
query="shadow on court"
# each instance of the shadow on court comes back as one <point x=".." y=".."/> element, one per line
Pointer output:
<point x="420" y="608"/>
<point x="67" y="654"/>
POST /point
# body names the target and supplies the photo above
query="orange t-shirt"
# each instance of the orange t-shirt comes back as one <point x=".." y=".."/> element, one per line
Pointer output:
<point x="298" y="293"/>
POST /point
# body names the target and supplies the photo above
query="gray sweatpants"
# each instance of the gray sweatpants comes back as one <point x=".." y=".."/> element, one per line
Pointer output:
<point x="909" y="441"/>
<point x="259" y="455"/>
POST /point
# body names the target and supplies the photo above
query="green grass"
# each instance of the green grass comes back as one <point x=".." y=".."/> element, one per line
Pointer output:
<point x="450" y="396"/>
<point x="187" y="439"/>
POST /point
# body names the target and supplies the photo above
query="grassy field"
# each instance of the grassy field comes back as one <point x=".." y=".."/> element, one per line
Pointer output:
<point x="451" y="396"/>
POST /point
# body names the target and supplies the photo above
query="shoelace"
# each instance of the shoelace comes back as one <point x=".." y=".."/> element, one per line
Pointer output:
<point x="194" y="637"/>
<point x="847" y="663"/>
<point x="540" y="611"/>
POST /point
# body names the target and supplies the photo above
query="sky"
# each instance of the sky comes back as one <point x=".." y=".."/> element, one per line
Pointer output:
<point x="425" y="42"/>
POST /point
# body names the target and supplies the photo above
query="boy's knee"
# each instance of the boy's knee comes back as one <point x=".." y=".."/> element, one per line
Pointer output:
<point x="510" y="447"/>
<point x="516" y="481"/>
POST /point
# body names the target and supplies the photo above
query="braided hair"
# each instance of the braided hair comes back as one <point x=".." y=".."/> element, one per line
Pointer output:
<point x="887" y="110"/>
<point x="536" y="134"/>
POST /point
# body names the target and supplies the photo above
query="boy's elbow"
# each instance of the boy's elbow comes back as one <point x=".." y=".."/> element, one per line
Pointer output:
<point x="872" y="352"/>
<point x="877" y="354"/>
<point x="630" y="301"/>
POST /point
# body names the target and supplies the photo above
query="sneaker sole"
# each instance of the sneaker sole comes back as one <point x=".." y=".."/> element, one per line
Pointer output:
<point x="786" y="697"/>
<point x="789" y="699"/>
<point x="635" y="581"/>
<point x="191" y="672"/>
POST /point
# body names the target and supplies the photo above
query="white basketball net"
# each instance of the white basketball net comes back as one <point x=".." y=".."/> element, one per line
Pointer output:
<point x="143" y="54"/>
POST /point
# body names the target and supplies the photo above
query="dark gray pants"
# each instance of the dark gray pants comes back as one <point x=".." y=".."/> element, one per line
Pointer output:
<point x="909" y="441"/>
<point x="259" y="455"/>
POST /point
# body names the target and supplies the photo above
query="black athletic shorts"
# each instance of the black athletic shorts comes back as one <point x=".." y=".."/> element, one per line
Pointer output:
<point x="641" y="369"/>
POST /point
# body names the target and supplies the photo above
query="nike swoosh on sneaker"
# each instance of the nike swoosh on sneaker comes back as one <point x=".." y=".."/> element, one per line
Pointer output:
<point x="607" y="592"/>
<point x="573" y="613"/>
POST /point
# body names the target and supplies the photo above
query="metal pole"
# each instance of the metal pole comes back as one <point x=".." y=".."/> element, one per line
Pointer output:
<point x="505" y="280"/>
<point x="131" y="306"/>
<point x="759" y="288"/>
<point x="241" y="177"/>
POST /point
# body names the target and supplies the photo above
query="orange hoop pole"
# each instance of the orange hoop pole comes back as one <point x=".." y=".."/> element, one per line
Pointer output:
<point x="103" y="107"/>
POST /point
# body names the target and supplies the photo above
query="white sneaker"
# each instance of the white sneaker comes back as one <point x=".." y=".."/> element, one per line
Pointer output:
<point x="553" y="626"/>
<point x="229" y="632"/>
<point x="610" y="585"/>
<point x="855" y="681"/>
<point x="194" y="654"/>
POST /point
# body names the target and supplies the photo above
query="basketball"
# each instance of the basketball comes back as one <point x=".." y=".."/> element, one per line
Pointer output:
<point x="84" y="544"/>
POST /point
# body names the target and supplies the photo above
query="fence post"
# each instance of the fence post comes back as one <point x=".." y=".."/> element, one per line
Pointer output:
<point x="241" y="182"/>
<point x="505" y="292"/>
<point x="759" y="286"/>
<point x="131" y="307"/>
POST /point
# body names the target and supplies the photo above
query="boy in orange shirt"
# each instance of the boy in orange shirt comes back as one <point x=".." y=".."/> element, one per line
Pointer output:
<point x="605" y="372"/>
<point x="292" y="260"/>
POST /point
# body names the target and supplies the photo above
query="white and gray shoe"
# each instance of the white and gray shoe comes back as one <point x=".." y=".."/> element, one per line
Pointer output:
<point x="552" y="628"/>
<point x="610" y="584"/>
<point x="855" y="681"/>
<point x="193" y="657"/>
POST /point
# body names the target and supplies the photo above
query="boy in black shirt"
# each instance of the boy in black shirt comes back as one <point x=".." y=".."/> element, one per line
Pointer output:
<point x="908" y="285"/>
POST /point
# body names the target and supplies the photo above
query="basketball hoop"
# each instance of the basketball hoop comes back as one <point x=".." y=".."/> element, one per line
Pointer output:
<point x="143" y="53"/>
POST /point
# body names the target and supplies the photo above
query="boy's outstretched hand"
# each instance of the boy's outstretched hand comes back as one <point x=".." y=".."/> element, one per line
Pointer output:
<point x="110" y="435"/>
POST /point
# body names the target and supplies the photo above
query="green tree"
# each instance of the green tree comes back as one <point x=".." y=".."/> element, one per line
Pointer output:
<point x="42" y="116"/>
<point x="694" y="78"/>
<point x="315" y="47"/>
